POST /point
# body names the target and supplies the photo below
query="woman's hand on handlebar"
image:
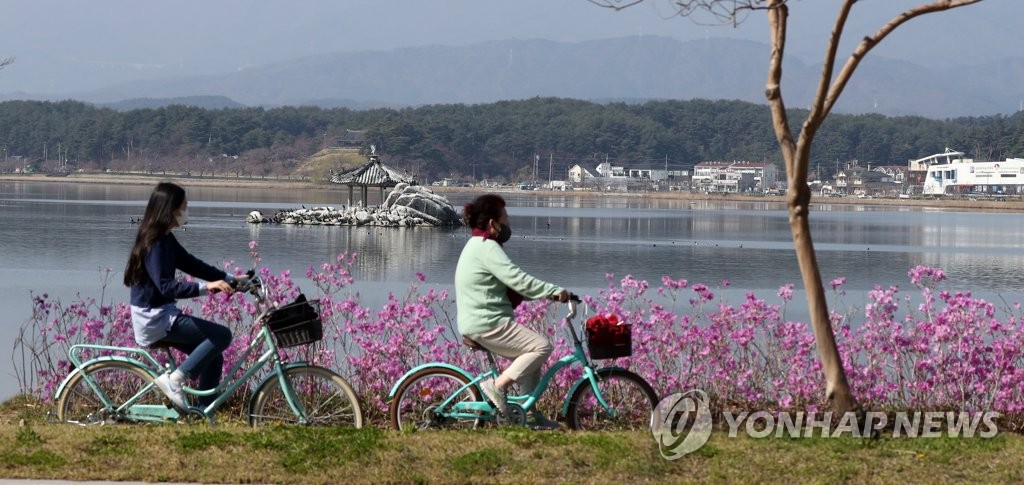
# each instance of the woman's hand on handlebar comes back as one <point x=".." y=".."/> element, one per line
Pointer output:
<point x="218" y="286"/>
<point x="561" y="297"/>
<point x="244" y="282"/>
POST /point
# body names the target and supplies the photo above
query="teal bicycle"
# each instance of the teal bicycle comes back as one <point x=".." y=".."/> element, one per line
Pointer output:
<point x="441" y="395"/>
<point x="116" y="384"/>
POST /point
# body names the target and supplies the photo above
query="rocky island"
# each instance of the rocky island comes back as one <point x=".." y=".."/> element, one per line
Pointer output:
<point x="405" y="206"/>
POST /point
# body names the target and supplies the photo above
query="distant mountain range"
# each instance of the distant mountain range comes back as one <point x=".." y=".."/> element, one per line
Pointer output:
<point x="208" y="102"/>
<point x="632" y="68"/>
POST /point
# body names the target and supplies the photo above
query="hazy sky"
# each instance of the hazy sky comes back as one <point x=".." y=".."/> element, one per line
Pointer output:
<point x="64" y="46"/>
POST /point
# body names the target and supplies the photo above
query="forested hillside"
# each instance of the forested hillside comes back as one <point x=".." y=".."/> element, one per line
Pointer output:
<point x="486" y="141"/>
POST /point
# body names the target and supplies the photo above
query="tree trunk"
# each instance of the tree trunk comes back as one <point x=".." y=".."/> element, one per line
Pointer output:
<point x="837" y="389"/>
<point x="796" y="156"/>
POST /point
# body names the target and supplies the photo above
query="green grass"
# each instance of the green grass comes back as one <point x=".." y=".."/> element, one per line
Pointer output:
<point x="485" y="462"/>
<point x="233" y="453"/>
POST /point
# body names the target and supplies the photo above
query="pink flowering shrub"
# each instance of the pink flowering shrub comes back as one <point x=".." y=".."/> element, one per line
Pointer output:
<point x="947" y="351"/>
<point x="41" y="347"/>
<point x="950" y="351"/>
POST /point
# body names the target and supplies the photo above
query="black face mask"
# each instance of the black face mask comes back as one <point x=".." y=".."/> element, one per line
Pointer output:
<point x="504" y="234"/>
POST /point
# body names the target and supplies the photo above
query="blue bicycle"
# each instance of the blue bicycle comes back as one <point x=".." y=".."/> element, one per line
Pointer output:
<point x="441" y="395"/>
<point x="116" y="384"/>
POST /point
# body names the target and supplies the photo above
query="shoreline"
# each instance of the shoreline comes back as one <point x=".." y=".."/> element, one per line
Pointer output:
<point x="148" y="180"/>
<point x="1010" y="205"/>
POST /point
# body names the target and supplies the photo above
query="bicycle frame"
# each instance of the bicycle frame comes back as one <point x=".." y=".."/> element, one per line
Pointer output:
<point x="226" y="388"/>
<point x="472" y="409"/>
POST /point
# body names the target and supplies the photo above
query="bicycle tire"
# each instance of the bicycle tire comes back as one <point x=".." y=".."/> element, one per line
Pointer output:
<point x="629" y="394"/>
<point x="415" y="400"/>
<point x="78" y="403"/>
<point x="326" y="396"/>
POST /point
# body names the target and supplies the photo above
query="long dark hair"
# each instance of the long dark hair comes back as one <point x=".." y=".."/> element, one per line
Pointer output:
<point x="158" y="219"/>
<point x="478" y="213"/>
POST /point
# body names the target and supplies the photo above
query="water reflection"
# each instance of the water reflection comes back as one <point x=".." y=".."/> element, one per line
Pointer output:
<point x="57" y="236"/>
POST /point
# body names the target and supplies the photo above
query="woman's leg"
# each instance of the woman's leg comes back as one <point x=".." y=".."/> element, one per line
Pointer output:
<point x="527" y="349"/>
<point x="204" y="342"/>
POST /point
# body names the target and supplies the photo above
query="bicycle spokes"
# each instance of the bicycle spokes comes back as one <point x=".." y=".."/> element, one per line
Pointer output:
<point x="436" y="398"/>
<point x="623" y="401"/>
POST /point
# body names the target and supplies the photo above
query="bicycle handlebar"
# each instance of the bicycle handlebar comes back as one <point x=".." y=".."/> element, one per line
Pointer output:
<point x="574" y="301"/>
<point x="251" y="283"/>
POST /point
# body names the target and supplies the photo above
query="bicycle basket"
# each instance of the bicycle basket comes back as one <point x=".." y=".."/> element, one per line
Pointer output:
<point x="297" y="323"/>
<point x="607" y="338"/>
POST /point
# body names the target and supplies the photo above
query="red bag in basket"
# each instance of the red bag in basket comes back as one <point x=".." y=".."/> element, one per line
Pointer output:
<point x="604" y="329"/>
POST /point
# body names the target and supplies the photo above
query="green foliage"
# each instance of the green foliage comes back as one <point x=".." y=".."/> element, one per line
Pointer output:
<point x="494" y="140"/>
<point x="27" y="437"/>
<point x="26" y="452"/>
<point x="115" y="444"/>
<point x="306" y="450"/>
<point x="203" y="440"/>
<point x="39" y="459"/>
<point x="527" y="438"/>
<point x="481" y="462"/>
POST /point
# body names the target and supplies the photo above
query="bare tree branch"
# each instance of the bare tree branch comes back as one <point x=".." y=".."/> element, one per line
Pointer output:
<point x="721" y="12"/>
<point x="615" y="4"/>
<point x="818" y="110"/>
<point x="871" y="41"/>
<point x="777" y="21"/>
<point x="6" y="62"/>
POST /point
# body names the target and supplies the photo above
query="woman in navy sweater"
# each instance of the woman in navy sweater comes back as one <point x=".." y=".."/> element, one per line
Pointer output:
<point x="156" y="319"/>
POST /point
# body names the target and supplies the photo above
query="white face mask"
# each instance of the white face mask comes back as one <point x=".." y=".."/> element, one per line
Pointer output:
<point x="182" y="218"/>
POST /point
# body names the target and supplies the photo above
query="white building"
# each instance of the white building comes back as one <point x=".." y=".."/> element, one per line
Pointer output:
<point x="950" y="173"/>
<point x="578" y="173"/>
<point x="639" y="176"/>
<point x="734" y="177"/>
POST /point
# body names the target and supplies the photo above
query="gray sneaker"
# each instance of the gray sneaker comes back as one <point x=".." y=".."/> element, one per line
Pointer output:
<point x="541" y="422"/>
<point x="496" y="396"/>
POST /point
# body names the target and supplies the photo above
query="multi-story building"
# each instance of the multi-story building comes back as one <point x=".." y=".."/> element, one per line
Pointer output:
<point x="734" y="177"/>
<point x="858" y="180"/>
<point x="635" y="177"/>
<point x="951" y="173"/>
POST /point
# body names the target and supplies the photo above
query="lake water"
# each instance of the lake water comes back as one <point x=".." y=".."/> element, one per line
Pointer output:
<point x="56" y="237"/>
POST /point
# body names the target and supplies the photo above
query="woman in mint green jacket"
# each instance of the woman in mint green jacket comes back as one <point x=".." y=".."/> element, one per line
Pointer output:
<point x="488" y="287"/>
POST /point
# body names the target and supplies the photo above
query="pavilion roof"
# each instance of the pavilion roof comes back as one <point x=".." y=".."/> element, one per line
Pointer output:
<point x="373" y="174"/>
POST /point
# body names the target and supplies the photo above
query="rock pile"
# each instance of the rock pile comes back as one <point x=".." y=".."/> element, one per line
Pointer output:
<point x="405" y="206"/>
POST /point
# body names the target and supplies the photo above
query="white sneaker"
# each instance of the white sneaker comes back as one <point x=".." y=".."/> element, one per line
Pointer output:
<point x="172" y="390"/>
<point x="496" y="396"/>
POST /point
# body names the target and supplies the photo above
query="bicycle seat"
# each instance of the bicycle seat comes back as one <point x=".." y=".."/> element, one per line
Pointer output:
<point x="473" y="344"/>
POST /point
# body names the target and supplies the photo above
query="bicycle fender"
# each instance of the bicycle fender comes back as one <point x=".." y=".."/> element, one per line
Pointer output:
<point x="416" y="369"/>
<point x="583" y="380"/>
<point x="64" y="383"/>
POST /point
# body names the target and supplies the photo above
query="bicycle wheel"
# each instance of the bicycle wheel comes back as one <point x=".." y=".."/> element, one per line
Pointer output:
<point x="327" y="398"/>
<point x="119" y="381"/>
<point x="416" y="401"/>
<point x="628" y="394"/>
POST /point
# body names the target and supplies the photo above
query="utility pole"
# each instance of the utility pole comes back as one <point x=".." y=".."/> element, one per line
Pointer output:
<point x="536" y="162"/>
<point x="551" y="167"/>
<point x="668" y="180"/>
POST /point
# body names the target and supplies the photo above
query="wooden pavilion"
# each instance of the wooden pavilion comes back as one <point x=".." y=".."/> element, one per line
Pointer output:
<point x="373" y="174"/>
